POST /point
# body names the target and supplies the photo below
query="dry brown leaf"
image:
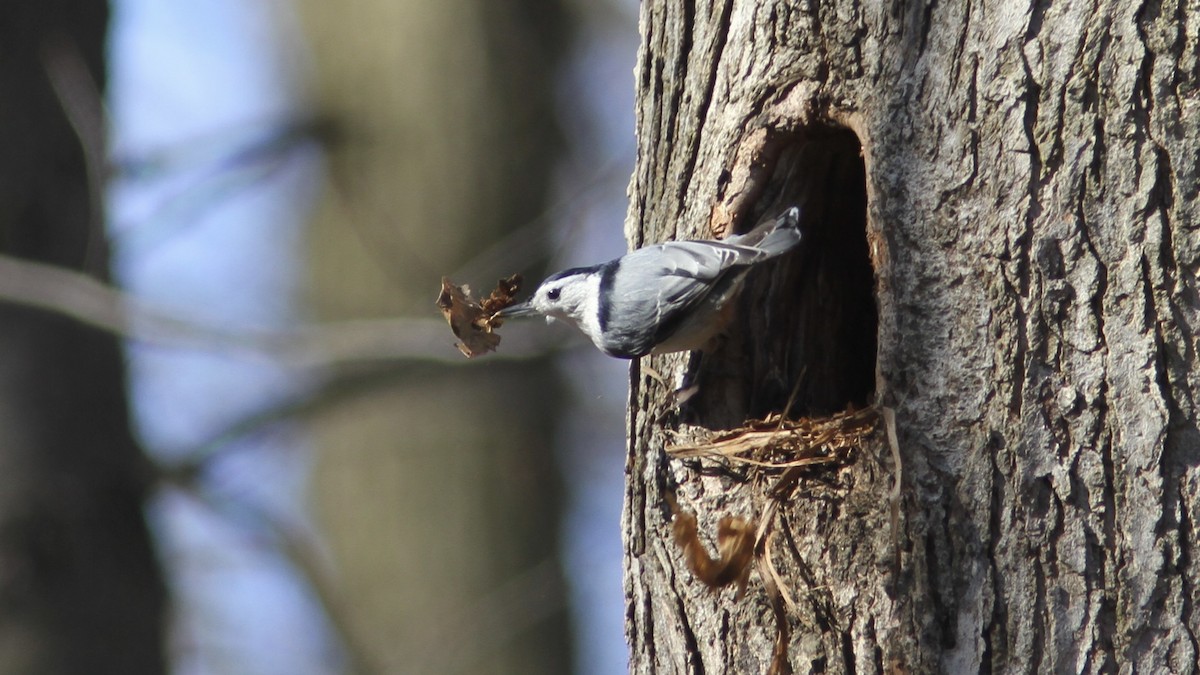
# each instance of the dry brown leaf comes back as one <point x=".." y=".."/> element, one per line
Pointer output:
<point x="474" y="322"/>
<point x="735" y="549"/>
<point x="504" y="295"/>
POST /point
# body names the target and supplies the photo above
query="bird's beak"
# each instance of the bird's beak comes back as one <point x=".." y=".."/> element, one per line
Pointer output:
<point x="513" y="311"/>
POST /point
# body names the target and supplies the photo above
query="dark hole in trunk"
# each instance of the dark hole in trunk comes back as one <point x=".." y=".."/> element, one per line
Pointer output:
<point x="806" y="332"/>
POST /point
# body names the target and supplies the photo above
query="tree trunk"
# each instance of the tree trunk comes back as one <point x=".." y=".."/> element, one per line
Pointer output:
<point x="1009" y="265"/>
<point x="80" y="586"/>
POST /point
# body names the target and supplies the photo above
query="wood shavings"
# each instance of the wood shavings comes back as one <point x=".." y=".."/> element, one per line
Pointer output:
<point x="735" y="549"/>
<point x="472" y="322"/>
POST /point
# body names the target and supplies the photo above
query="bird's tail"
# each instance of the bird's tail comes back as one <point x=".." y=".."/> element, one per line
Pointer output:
<point x="773" y="237"/>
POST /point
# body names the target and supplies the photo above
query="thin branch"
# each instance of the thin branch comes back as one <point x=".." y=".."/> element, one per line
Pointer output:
<point x="344" y="388"/>
<point x="82" y="104"/>
<point x="513" y="251"/>
<point x="217" y="177"/>
<point x="297" y="545"/>
<point x="65" y="292"/>
<point x="318" y="346"/>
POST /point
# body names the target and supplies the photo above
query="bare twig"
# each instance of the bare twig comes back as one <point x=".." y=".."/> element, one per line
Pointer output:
<point x="343" y="388"/>
<point x="460" y="642"/>
<point x="300" y="548"/>
<point x="513" y="250"/>
<point x="219" y="164"/>
<point x="89" y="301"/>
<point x="81" y="102"/>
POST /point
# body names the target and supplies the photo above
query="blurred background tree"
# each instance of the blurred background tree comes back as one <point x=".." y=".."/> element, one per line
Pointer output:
<point x="439" y="492"/>
<point x="80" y="589"/>
<point x="270" y="362"/>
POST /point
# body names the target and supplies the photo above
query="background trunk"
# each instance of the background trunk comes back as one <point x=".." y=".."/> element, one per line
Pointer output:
<point x="81" y="588"/>
<point x="1025" y="199"/>
<point x="438" y="493"/>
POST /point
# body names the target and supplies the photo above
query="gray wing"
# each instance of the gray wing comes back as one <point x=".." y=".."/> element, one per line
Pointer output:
<point x="773" y="237"/>
<point x="646" y="294"/>
<point x="653" y="288"/>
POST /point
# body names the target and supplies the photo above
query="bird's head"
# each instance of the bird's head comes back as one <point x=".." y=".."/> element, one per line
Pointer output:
<point x="571" y="295"/>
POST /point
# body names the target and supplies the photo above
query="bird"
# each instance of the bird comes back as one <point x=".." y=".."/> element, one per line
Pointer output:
<point x="669" y="297"/>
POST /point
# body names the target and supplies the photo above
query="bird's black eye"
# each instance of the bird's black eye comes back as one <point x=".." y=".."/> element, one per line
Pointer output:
<point x="553" y="293"/>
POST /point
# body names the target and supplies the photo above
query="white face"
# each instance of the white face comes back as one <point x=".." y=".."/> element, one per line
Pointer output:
<point x="572" y="298"/>
<point x="560" y="298"/>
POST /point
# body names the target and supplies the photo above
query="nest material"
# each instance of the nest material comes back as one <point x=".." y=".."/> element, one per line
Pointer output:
<point x="778" y="443"/>
<point x="785" y="449"/>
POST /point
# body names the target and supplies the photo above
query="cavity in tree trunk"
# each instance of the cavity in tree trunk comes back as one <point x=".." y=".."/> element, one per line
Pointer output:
<point x="1000" y="204"/>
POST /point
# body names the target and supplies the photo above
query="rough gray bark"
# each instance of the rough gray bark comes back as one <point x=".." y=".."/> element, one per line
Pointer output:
<point x="80" y="588"/>
<point x="1030" y="187"/>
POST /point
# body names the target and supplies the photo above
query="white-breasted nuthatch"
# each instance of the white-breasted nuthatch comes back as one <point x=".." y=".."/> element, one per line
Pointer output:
<point x="668" y="297"/>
